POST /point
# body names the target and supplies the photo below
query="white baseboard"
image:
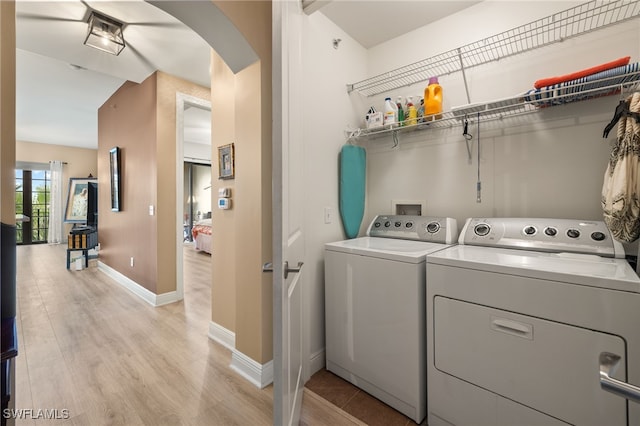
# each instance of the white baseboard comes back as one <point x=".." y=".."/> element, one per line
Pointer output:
<point x="317" y="362"/>
<point x="225" y="337"/>
<point x="261" y="375"/>
<point x="258" y="374"/>
<point x="146" y="295"/>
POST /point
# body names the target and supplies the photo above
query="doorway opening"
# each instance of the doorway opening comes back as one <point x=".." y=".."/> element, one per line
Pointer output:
<point x="197" y="204"/>
<point x="193" y="174"/>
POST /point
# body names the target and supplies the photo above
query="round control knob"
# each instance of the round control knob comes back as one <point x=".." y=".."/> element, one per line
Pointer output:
<point x="409" y="225"/>
<point x="387" y="224"/>
<point x="573" y="233"/>
<point x="377" y="224"/>
<point x="598" y="236"/>
<point x="552" y="232"/>
<point x="530" y="230"/>
<point x="398" y="224"/>
<point x="433" y="227"/>
<point x="482" y="229"/>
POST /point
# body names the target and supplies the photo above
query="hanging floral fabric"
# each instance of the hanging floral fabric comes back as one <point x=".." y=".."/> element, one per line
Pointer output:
<point x="621" y="188"/>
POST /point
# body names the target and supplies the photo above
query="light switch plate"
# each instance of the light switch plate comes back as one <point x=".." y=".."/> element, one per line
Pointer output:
<point x="151" y="210"/>
<point x="328" y="215"/>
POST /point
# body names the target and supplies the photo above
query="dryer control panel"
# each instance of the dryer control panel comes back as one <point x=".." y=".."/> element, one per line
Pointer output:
<point x="420" y="228"/>
<point x="548" y="235"/>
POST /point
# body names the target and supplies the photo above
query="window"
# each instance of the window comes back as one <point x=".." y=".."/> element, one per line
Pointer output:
<point x="33" y="188"/>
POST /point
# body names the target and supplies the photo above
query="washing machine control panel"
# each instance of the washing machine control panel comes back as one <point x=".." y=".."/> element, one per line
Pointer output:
<point x="549" y="235"/>
<point x="420" y="228"/>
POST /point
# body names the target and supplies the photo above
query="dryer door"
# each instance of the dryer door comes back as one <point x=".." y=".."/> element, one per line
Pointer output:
<point x="548" y="366"/>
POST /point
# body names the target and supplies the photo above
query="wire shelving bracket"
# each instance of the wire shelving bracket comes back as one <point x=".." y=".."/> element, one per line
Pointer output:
<point x="587" y="17"/>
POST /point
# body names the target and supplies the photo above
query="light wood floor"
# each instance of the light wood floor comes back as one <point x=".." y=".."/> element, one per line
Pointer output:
<point x="89" y="346"/>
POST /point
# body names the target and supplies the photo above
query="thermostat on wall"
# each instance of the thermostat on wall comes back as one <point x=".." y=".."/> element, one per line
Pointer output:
<point x="224" y="203"/>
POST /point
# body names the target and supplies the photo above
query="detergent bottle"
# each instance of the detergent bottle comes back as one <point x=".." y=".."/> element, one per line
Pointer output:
<point x="433" y="100"/>
<point x="390" y="113"/>
<point x="412" y="112"/>
<point x="401" y="116"/>
<point x="420" y="109"/>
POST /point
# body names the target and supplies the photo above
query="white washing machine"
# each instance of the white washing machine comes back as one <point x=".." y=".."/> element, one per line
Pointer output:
<point x="533" y="322"/>
<point x="375" y="308"/>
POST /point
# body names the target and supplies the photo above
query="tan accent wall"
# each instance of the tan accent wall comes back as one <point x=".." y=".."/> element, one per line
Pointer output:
<point x="250" y="338"/>
<point x="128" y="120"/>
<point x="251" y="216"/>
<point x="167" y="234"/>
<point x="81" y="162"/>
<point x="223" y="131"/>
<point x="141" y="120"/>
<point x="7" y="111"/>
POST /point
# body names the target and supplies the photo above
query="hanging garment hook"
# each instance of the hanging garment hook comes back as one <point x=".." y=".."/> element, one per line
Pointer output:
<point x="622" y="110"/>
<point x="352" y="135"/>
<point x="467" y="136"/>
<point x="465" y="131"/>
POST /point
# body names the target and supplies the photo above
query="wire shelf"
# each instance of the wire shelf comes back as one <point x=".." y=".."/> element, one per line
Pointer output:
<point x="569" y="23"/>
<point x="527" y="103"/>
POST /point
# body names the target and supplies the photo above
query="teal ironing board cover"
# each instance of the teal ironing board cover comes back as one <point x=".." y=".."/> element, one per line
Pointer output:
<point x="353" y="160"/>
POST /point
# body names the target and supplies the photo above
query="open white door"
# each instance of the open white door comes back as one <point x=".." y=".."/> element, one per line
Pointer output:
<point x="288" y="197"/>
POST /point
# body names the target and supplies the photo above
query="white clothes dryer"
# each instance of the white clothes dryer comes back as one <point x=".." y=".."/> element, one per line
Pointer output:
<point x="375" y="308"/>
<point x="533" y="322"/>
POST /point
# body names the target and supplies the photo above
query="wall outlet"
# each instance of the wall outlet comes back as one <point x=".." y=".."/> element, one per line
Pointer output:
<point x="152" y="210"/>
<point x="131" y="261"/>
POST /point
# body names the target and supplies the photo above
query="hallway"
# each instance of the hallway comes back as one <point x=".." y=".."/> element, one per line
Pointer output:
<point x="88" y="346"/>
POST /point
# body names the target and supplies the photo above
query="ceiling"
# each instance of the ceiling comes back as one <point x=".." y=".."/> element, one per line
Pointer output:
<point x="61" y="83"/>
<point x="373" y="22"/>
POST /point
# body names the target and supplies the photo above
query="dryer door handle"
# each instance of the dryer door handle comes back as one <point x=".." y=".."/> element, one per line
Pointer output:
<point x="608" y="364"/>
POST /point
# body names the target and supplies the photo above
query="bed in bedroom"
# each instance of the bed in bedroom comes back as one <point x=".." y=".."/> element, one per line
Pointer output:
<point x="201" y="232"/>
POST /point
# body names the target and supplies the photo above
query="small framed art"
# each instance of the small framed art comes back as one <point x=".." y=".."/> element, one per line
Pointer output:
<point x="226" y="166"/>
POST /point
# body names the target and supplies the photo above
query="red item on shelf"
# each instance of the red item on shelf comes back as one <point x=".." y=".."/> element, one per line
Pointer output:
<point x="579" y="74"/>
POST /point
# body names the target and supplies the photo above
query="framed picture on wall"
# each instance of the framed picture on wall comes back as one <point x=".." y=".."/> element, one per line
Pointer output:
<point x="77" y="200"/>
<point x="115" y="178"/>
<point x="226" y="167"/>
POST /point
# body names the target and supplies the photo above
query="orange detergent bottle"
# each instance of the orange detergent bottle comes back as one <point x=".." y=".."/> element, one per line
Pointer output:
<point x="433" y="100"/>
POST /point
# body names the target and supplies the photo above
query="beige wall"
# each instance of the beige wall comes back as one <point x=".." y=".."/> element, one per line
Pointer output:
<point x="167" y="233"/>
<point x="223" y="127"/>
<point x="141" y="120"/>
<point x="128" y="120"/>
<point x="7" y="111"/>
<point x="251" y="215"/>
<point x="253" y="309"/>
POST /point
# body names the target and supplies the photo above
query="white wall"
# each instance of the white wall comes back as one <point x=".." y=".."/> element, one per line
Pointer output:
<point x="327" y="113"/>
<point x="469" y="25"/>
<point x="548" y="164"/>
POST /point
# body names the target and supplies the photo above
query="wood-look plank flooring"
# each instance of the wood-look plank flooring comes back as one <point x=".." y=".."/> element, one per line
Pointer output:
<point x="91" y="347"/>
